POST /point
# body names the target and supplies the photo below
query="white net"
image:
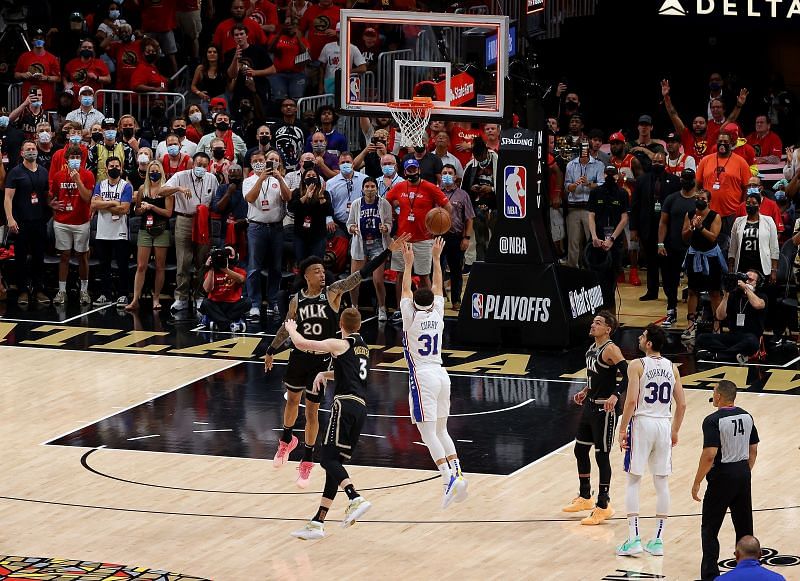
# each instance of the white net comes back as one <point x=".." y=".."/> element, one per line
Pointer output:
<point x="412" y="118"/>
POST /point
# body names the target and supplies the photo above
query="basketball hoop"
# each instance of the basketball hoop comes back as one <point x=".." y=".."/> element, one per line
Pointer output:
<point x="412" y="117"/>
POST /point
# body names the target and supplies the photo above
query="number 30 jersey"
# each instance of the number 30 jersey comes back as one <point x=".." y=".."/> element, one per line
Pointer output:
<point x="655" y="388"/>
<point x="422" y="333"/>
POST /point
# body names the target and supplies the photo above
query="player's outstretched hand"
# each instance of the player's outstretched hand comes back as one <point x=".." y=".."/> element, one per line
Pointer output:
<point x="320" y="381"/>
<point x="290" y="325"/>
<point x="438" y="246"/>
<point x="408" y="254"/>
<point x="399" y="242"/>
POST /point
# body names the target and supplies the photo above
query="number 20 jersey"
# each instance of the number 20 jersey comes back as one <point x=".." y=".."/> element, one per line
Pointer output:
<point x="655" y="388"/>
<point x="422" y="333"/>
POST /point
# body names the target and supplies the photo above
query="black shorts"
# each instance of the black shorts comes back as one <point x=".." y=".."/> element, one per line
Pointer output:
<point x="347" y="419"/>
<point x="301" y="371"/>
<point x="596" y="427"/>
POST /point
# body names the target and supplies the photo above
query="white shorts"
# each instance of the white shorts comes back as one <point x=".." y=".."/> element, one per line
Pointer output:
<point x="429" y="394"/>
<point x="649" y="444"/>
<point x="423" y="258"/>
<point x="70" y="237"/>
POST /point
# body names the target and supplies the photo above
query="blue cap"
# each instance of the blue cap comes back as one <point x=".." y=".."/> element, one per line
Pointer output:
<point x="410" y="163"/>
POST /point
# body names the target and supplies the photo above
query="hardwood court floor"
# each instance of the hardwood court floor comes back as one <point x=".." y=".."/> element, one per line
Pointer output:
<point x="510" y="527"/>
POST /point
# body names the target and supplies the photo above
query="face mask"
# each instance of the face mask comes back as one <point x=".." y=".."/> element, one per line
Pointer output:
<point x="114" y="172"/>
<point x="143" y="159"/>
<point x="245" y="109"/>
<point x="173" y="150"/>
<point x="30" y="155"/>
<point x="180" y="132"/>
<point x="113" y="14"/>
<point x="74" y="164"/>
<point x="74" y="139"/>
<point x="195" y="117"/>
<point x="700" y="204"/>
<point x="308" y="164"/>
<point x="110" y="134"/>
<point x="347" y="168"/>
<point x="157" y="113"/>
<point x="714" y="86"/>
<point x="218" y="153"/>
<point x="447" y="179"/>
<point x="199" y="172"/>
<point x="687" y="185"/>
<point x="310" y="181"/>
<point x="223" y="126"/>
<point x="235" y="181"/>
<point x="86" y="53"/>
<point x="723" y="148"/>
<point x="127" y="132"/>
<point x="36" y="105"/>
<point x="264" y="140"/>
<point x="259" y="166"/>
<point x="388" y="170"/>
<point x="3" y="122"/>
<point x="38" y="43"/>
<point x="87" y="101"/>
<point x="44" y="137"/>
<point x="751" y="210"/>
<point x="753" y="190"/>
<point x="484" y="163"/>
<point x="658" y="168"/>
<point x="151" y="57"/>
<point x="97" y="137"/>
<point x="780" y="196"/>
<point x="318" y="147"/>
<point x="413" y="178"/>
<point x="155" y="176"/>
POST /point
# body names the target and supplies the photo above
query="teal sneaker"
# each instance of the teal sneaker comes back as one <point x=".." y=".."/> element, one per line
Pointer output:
<point x="630" y="547"/>
<point x="655" y="547"/>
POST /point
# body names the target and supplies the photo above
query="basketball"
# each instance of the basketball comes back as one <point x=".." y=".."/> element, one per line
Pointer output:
<point x="438" y="221"/>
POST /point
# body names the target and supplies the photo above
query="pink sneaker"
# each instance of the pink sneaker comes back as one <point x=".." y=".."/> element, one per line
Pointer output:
<point x="284" y="449"/>
<point x="304" y="478"/>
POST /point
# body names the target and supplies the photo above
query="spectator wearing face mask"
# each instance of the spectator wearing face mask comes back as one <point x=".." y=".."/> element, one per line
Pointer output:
<point x="147" y="78"/>
<point x="313" y="211"/>
<point x="327" y="163"/>
<point x="390" y="176"/>
<point x="73" y="132"/>
<point x="29" y="113"/>
<point x="44" y="144"/>
<point x="767" y="207"/>
<point x="458" y="238"/>
<point x="11" y="140"/>
<point x="86" y="71"/>
<point x="754" y="241"/>
<point x="229" y="204"/>
<point x="126" y="54"/>
<point x="479" y="183"/>
<point x="325" y="121"/>
<point x="185" y="145"/>
<point x="156" y="125"/>
<point x="110" y="147"/>
<point x="143" y="158"/>
<point x="86" y="115"/>
<point x="430" y="165"/>
<point x="787" y="210"/>
<point x="235" y="147"/>
<point x="197" y="126"/>
<point x="344" y="189"/>
<point x="219" y="164"/>
<point x="264" y="144"/>
<point x="128" y="132"/>
<point x="39" y="68"/>
<point x="174" y="159"/>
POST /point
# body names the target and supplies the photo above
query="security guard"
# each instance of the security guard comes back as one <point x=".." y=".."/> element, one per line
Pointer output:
<point x="730" y="445"/>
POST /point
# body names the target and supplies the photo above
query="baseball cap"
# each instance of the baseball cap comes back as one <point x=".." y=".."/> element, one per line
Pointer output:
<point x="411" y="163"/>
<point x="618" y="136"/>
<point x="38" y="33"/>
<point x="86" y="89"/>
<point x="672" y="136"/>
<point x="370" y="32"/>
<point x="688" y="174"/>
<point x="781" y="184"/>
<point x="109" y="122"/>
<point x="612" y="169"/>
<point x="646" y="120"/>
<point x="218" y="101"/>
<point x="76" y="16"/>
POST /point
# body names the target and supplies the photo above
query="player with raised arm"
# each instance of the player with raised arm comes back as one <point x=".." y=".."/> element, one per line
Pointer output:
<point x="646" y="436"/>
<point x="315" y="309"/>
<point x="349" y="410"/>
<point x="428" y="382"/>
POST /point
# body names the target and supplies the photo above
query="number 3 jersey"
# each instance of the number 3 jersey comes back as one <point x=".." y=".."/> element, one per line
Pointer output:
<point x="422" y="333"/>
<point x="655" y="388"/>
<point x="350" y="369"/>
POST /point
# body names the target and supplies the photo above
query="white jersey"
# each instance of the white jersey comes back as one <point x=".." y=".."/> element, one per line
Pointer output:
<point x="655" y="388"/>
<point x="422" y="333"/>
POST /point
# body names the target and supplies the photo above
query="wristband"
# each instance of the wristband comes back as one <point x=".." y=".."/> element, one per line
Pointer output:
<point x="661" y="245"/>
<point x="271" y="350"/>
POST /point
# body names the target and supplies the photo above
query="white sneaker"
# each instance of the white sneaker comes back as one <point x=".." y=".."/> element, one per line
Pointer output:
<point x="355" y="510"/>
<point x="122" y="302"/>
<point x="101" y="301"/>
<point x="179" y="305"/>
<point x="461" y="489"/>
<point x="311" y="532"/>
<point x="450" y="492"/>
<point x="85" y="298"/>
<point x="198" y="302"/>
<point x="255" y="313"/>
<point x="382" y="314"/>
<point x="60" y="298"/>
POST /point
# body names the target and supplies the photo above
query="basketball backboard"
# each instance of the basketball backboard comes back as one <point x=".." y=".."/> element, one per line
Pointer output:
<point x="458" y="60"/>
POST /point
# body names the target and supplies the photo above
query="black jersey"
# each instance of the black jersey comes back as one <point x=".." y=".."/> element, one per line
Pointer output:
<point x="602" y="377"/>
<point x="351" y="367"/>
<point x="316" y="319"/>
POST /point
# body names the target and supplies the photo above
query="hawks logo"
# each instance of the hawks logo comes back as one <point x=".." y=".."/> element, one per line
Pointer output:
<point x="80" y="76"/>
<point x="757" y="149"/>
<point x="322" y="23"/>
<point x="36" y="68"/>
<point x="700" y="147"/>
<point x="130" y="58"/>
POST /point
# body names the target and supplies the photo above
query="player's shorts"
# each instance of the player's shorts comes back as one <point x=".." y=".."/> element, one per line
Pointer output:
<point x="301" y="371"/>
<point x="344" y="428"/>
<point x="429" y="393"/>
<point x="649" y="444"/>
<point x="596" y="427"/>
<point x="423" y="258"/>
<point x="72" y="237"/>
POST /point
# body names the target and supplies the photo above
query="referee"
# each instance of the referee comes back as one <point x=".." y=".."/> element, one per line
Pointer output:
<point x="730" y="446"/>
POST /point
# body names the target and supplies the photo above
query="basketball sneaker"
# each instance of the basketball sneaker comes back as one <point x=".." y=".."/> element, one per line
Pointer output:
<point x="60" y="298"/>
<point x="598" y="515"/>
<point x="630" y="547"/>
<point x="304" y="478"/>
<point x="355" y="510"/>
<point x="311" y="532"/>
<point x="655" y="547"/>
<point x="461" y="489"/>
<point x="284" y="449"/>
<point x="450" y="491"/>
<point x="579" y="504"/>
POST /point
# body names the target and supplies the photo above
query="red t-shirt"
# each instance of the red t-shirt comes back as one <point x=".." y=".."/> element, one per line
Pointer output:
<point x="315" y="22"/>
<point x="460" y="135"/>
<point x="187" y="5"/>
<point x="226" y="290"/>
<point x="767" y="208"/>
<point x="286" y="50"/>
<point x="46" y="64"/>
<point x="57" y="163"/>
<point x="147" y="74"/>
<point x="265" y="12"/>
<point x="158" y="15"/>
<point x="712" y="131"/>
<point x="730" y="182"/>
<point x="78" y="71"/>
<point x="62" y="188"/>
<point x="765" y="146"/>
<point x="223" y="35"/>
<point x="416" y="200"/>
<point x="127" y="57"/>
<point x="697" y="147"/>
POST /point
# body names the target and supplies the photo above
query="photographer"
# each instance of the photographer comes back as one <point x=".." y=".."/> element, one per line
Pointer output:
<point x="744" y="309"/>
<point x="224" y="306"/>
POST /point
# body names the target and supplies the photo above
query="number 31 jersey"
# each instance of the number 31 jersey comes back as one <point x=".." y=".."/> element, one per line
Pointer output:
<point x="655" y="388"/>
<point x="422" y="333"/>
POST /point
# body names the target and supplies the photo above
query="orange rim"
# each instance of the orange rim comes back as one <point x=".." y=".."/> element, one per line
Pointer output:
<point x="416" y="104"/>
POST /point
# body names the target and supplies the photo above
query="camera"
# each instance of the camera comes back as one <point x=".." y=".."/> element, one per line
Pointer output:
<point x="219" y="258"/>
<point x="731" y="280"/>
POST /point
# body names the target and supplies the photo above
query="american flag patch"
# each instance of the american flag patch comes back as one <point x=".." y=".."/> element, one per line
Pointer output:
<point x="487" y="101"/>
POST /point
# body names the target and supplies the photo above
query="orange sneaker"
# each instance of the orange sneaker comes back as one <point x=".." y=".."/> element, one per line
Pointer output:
<point x="634" y="277"/>
<point x="598" y="515"/>
<point x="284" y="449"/>
<point x="579" y="504"/>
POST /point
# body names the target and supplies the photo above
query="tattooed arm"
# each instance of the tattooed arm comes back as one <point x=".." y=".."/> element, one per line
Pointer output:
<point x="280" y="336"/>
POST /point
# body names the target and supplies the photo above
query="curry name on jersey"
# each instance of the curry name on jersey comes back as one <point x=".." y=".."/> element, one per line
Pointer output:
<point x="422" y="332"/>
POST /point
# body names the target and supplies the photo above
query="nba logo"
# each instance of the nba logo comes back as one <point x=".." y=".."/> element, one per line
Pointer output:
<point x="515" y="185"/>
<point x="355" y="88"/>
<point x="477" y="306"/>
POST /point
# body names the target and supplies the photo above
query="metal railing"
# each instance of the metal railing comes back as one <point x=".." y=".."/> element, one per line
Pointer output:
<point x="305" y="104"/>
<point x="181" y="80"/>
<point x="386" y="71"/>
<point x="14" y="96"/>
<point x="116" y="103"/>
